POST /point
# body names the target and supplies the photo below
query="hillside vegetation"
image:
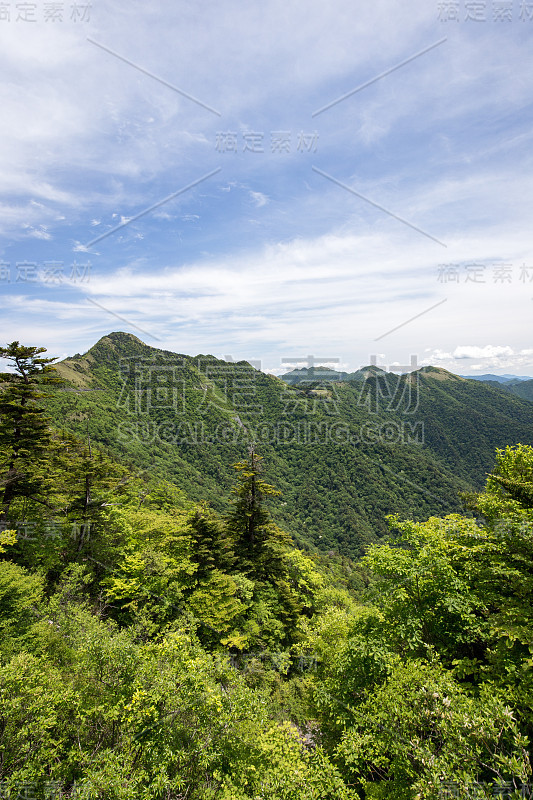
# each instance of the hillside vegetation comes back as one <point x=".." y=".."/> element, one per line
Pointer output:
<point x="154" y="647"/>
<point x="343" y="453"/>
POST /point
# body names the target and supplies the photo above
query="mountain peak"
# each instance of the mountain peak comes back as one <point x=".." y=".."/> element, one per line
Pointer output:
<point x="439" y="374"/>
<point x="118" y="337"/>
<point x="118" y="345"/>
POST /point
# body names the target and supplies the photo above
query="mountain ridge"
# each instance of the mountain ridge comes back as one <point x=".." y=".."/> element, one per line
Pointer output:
<point x="344" y="453"/>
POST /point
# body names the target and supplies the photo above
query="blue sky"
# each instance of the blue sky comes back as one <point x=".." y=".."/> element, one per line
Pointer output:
<point x="396" y="222"/>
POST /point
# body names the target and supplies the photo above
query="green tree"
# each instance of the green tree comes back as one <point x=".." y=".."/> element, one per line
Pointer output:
<point x="513" y="472"/>
<point x="20" y="596"/>
<point x="210" y="542"/>
<point x="258" y="542"/>
<point x="463" y="588"/>
<point x="24" y="431"/>
<point x="420" y="733"/>
<point x="88" y="480"/>
<point x="507" y="583"/>
<point x="428" y="587"/>
<point x="509" y="488"/>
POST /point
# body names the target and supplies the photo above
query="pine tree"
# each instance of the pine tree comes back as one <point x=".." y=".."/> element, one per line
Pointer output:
<point x="24" y="431"/>
<point x="258" y="542"/>
<point x="89" y="479"/>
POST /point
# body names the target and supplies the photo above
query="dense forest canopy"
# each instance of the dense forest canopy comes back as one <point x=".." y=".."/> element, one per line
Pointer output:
<point x="158" y="644"/>
<point x="344" y="454"/>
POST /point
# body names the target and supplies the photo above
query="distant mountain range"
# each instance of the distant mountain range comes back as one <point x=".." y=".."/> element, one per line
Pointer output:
<point x="498" y="378"/>
<point x="312" y="374"/>
<point x="343" y="451"/>
<point x="519" y="385"/>
<point x="326" y="373"/>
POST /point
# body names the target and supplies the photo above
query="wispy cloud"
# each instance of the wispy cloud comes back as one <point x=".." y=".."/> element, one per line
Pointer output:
<point x="259" y="199"/>
<point x="268" y="255"/>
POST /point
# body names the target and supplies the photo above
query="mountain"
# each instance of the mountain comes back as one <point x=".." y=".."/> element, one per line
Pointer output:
<point x="464" y="420"/>
<point x="371" y="371"/>
<point x="521" y="388"/>
<point x="344" y="455"/>
<point x="519" y="385"/>
<point x="497" y="378"/>
<point x="317" y="374"/>
<point x="313" y="375"/>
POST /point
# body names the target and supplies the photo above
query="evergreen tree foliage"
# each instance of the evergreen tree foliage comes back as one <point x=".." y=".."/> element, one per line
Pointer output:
<point x="24" y="426"/>
<point x="212" y="546"/>
<point x="258" y="543"/>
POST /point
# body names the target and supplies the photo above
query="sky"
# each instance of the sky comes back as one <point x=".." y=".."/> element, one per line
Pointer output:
<point x="271" y="181"/>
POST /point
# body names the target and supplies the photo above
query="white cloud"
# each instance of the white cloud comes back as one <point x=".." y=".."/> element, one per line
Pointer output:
<point x="442" y="142"/>
<point x="259" y="199"/>
<point x="496" y="359"/>
<point x="39" y="233"/>
<point x="488" y="351"/>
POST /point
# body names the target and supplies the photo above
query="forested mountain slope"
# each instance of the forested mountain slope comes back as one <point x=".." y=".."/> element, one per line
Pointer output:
<point x="343" y="453"/>
<point x="152" y="648"/>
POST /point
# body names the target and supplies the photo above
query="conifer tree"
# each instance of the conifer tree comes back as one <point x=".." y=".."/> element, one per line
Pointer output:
<point x="211" y="543"/>
<point x="89" y="479"/>
<point x="24" y="431"/>
<point x="258" y="542"/>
